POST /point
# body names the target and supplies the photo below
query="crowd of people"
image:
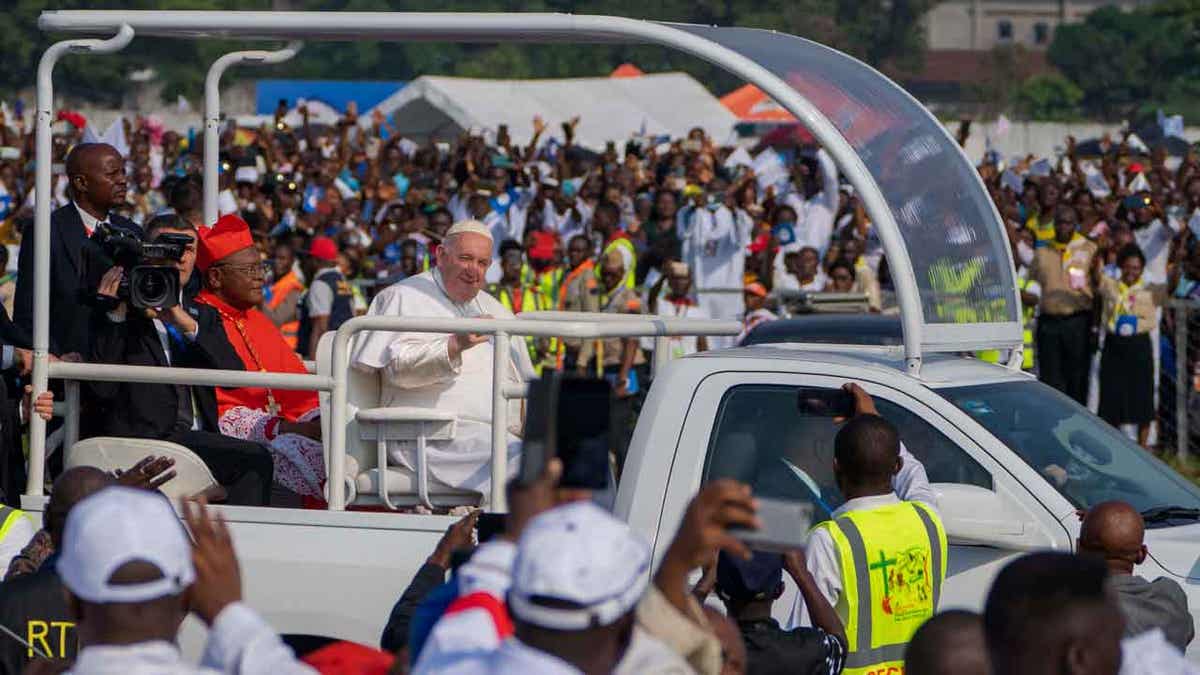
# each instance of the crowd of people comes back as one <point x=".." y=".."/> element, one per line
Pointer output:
<point x="320" y="224"/>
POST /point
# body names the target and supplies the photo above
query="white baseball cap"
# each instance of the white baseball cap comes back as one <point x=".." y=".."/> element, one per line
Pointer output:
<point x="577" y="555"/>
<point x="119" y="525"/>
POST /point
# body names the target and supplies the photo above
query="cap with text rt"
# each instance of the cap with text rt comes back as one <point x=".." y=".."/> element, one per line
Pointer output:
<point x="117" y="526"/>
<point x="577" y="567"/>
<point x="227" y="236"/>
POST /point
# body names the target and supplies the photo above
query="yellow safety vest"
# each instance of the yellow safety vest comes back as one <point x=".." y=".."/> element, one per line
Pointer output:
<point x="1027" y="313"/>
<point x="531" y="301"/>
<point x="893" y="562"/>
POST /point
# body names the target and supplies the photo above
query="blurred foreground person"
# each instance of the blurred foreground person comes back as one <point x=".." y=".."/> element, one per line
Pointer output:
<point x="950" y="643"/>
<point x="132" y="575"/>
<point x="1049" y="614"/>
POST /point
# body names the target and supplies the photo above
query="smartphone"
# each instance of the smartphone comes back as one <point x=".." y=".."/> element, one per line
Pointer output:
<point x="785" y="526"/>
<point x="825" y="402"/>
<point x="490" y="525"/>
<point x="567" y="418"/>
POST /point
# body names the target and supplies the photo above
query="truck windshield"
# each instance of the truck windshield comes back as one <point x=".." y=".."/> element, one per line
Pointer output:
<point x="1083" y="457"/>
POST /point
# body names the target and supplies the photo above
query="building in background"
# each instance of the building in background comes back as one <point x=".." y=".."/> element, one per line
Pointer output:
<point x="981" y="25"/>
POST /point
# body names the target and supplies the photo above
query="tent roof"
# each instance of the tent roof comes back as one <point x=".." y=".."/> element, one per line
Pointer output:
<point x="750" y="104"/>
<point x="612" y="109"/>
<point x="626" y="70"/>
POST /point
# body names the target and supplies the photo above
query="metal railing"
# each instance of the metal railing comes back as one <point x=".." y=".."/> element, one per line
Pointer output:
<point x="337" y="384"/>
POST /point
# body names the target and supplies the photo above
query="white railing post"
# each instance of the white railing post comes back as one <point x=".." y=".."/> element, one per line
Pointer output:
<point x="212" y="114"/>
<point x="71" y="419"/>
<point x="500" y="351"/>
<point x="44" y="195"/>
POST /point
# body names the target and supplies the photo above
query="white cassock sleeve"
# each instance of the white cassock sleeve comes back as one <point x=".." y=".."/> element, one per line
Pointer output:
<point x="406" y="360"/>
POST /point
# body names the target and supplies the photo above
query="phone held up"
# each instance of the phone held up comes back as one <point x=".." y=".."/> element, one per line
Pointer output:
<point x="568" y="418"/>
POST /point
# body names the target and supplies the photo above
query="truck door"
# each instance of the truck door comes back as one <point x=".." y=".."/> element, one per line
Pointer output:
<point x="748" y="426"/>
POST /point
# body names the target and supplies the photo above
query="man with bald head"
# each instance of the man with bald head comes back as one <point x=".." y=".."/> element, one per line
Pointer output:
<point x="1114" y="531"/>
<point x="447" y="371"/>
<point x="97" y="180"/>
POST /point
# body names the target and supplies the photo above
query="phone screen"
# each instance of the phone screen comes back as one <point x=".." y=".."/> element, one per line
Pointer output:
<point x="489" y="525"/>
<point x="583" y="439"/>
<point x="567" y="418"/>
<point x="825" y="402"/>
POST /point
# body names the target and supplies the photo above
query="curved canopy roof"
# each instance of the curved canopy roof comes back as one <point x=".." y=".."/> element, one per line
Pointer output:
<point x="945" y="244"/>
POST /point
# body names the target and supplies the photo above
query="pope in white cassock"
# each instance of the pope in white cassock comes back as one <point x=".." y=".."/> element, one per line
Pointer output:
<point x="449" y="372"/>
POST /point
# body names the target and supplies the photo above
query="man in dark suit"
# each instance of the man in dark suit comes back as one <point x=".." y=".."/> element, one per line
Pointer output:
<point x="97" y="180"/>
<point x="187" y="335"/>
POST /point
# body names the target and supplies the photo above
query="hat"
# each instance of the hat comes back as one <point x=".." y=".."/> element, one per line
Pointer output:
<point x="590" y="567"/>
<point x="543" y="245"/>
<point x="464" y="226"/>
<point x="227" y="236"/>
<point x="746" y="580"/>
<point x="755" y="288"/>
<point x="119" y="525"/>
<point x="322" y="248"/>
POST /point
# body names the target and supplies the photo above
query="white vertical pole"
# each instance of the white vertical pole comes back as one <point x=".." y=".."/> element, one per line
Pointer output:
<point x="500" y="348"/>
<point x="212" y="114"/>
<point x="44" y="195"/>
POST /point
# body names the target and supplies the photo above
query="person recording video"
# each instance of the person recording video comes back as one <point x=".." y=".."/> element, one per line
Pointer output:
<point x="186" y="335"/>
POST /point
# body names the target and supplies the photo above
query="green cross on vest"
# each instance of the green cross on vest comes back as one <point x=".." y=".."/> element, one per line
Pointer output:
<point x="883" y="564"/>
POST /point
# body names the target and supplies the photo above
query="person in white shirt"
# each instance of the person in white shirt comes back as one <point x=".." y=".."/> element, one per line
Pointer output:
<point x="576" y="582"/>
<point x="804" y="272"/>
<point x="714" y="247"/>
<point x="815" y="213"/>
<point x="677" y="304"/>
<point x="910" y="484"/>
<point x="128" y="568"/>
<point x="451" y="372"/>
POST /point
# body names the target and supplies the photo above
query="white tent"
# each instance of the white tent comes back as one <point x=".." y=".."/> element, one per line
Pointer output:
<point x="612" y="109"/>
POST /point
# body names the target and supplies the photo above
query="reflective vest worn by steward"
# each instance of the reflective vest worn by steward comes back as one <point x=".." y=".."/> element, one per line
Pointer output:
<point x="278" y="292"/>
<point x="893" y="562"/>
<point x="531" y="301"/>
<point x="341" y="311"/>
<point x="1027" y="315"/>
<point x="9" y="517"/>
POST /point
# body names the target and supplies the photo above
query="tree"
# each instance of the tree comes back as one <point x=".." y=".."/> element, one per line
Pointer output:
<point x="1048" y="98"/>
<point x="1123" y="60"/>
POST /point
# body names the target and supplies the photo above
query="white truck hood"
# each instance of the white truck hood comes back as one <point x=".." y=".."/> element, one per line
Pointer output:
<point x="1175" y="549"/>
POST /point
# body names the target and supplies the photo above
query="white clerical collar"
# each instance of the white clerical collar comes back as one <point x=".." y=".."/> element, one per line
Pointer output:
<point x="89" y="221"/>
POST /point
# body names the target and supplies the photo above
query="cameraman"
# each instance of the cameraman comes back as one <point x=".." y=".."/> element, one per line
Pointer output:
<point x="187" y="335"/>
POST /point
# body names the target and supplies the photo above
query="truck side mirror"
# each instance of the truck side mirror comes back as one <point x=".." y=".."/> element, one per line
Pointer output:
<point x="974" y="515"/>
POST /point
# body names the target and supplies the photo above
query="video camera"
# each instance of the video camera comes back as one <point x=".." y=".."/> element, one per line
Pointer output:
<point x="145" y="285"/>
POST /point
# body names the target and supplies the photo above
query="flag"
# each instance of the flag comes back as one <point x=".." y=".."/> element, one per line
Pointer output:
<point x="1002" y="126"/>
<point x="182" y="106"/>
<point x="738" y="158"/>
<point x="1137" y="144"/>
<point x="1139" y="184"/>
<point x="114" y="135"/>
<point x="1097" y="184"/>
<point x="1009" y="179"/>
<point x="1040" y="168"/>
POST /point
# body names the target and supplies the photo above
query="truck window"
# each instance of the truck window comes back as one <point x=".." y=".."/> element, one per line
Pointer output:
<point x="761" y="438"/>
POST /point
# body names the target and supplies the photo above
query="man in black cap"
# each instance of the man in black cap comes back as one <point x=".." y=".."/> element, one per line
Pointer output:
<point x="749" y="588"/>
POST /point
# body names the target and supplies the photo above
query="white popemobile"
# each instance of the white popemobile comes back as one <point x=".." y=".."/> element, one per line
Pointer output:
<point x="1010" y="459"/>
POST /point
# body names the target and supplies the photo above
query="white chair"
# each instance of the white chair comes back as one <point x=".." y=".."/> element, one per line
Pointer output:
<point x="369" y="479"/>
<point x="109" y="453"/>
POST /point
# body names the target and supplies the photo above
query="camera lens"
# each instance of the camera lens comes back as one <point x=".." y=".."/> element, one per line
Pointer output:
<point x="154" y="287"/>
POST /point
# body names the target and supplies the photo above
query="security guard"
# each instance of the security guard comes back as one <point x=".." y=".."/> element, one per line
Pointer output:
<point x="518" y="296"/>
<point x="881" y="560"/>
